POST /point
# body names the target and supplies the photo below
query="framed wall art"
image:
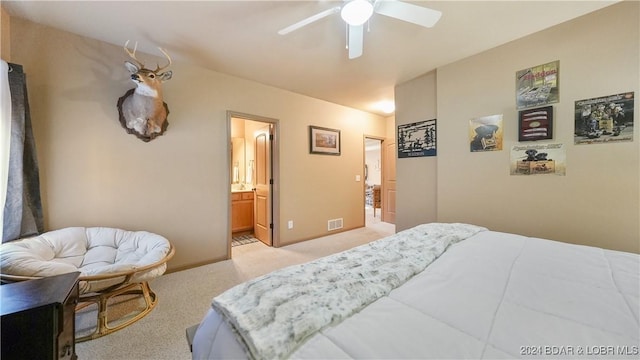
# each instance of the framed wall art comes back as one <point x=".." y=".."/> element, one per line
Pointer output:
<point x="324" y="141"/>
<point x="604" y="119"/>
<point x="535" y="124"/>
<point x="485" y="133"/>
<point x="538" y="159"/>
<point x="538" y="85"/>
<point x="417" y="139"/>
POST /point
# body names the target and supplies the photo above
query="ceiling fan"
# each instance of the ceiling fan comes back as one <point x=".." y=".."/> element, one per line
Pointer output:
<point x="357" y="12"/>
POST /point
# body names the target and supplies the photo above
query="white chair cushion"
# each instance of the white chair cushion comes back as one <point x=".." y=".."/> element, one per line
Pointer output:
<point x="91" y="251"/>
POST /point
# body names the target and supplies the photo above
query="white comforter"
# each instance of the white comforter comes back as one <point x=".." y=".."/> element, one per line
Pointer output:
<point x="275" y="313"/>
<point x="494" y="295"/>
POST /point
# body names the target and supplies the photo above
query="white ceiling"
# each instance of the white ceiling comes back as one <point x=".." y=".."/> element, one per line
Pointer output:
<point x="240" y="38"/>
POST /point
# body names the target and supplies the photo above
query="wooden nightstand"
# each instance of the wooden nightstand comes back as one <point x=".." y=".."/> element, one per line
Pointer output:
<point x="38" y="318"/>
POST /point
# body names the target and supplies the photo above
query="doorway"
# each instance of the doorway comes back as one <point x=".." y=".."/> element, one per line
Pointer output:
<point x="379" y="175"/>
<point x="253" y="168"/>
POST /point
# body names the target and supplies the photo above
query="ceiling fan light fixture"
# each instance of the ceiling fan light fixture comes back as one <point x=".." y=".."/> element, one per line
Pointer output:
<point x="356" y="12"/>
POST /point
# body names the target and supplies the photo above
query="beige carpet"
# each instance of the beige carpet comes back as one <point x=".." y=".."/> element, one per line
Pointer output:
<point x="185" y="296"/>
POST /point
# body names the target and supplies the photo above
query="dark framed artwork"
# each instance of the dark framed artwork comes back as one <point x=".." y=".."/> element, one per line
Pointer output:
<point x="535" y="124"/>
<point x="417" y="139"/>
<point x="324" y="141"/>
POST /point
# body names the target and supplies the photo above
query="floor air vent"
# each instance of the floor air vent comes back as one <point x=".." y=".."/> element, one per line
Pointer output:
<point x="334" y="224"/>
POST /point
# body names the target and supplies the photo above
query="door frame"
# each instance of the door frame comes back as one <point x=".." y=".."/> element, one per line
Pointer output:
<point x="275" y="175"/>
<point x="382" y="164"/>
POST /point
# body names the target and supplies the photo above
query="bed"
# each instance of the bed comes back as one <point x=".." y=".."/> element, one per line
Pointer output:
<point x="435" y="291"/>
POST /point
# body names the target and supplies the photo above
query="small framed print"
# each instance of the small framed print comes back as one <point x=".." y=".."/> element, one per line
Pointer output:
<point x="536" y="124"/>
<point x="486" y="133"/>
<point x="538" y="85"/>
<point x="324" y="141"/>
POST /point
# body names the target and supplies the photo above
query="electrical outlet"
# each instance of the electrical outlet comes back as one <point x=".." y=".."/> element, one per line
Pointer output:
<point x="290" y="224"/>
<point x="357" y="177"/>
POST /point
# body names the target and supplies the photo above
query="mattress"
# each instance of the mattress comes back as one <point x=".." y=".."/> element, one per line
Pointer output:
<point x="493" y="295"/>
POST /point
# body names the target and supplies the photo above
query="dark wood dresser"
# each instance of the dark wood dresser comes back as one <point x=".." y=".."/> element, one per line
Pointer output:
<point x="38" y="318"/>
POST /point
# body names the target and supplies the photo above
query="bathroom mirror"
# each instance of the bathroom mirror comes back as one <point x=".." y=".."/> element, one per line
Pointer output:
<point x="237" y="160"/>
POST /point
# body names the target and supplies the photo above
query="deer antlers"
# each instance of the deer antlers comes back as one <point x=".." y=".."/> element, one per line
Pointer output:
<point x="132" y="54"/>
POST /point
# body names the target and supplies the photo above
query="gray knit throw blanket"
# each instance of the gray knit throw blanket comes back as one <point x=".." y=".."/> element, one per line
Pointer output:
<point x="274" y="314"/>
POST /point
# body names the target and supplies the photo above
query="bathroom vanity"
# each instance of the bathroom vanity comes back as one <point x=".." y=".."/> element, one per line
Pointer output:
<point x="241" y="211"/>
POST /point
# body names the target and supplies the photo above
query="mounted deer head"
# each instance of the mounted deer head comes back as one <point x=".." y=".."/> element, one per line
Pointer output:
<point x="142" y="111"/>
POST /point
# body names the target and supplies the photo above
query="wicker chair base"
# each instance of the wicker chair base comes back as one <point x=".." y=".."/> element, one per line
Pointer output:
<point x="104" y="326"/>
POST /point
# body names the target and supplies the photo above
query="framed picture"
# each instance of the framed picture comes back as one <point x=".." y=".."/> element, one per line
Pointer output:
<point x="538" y="85"/>
<point x="324" y="141"/>
<point x="417" y="139"/>
<point x="538" y="159"/>
<point x="604" y="119"/>
<point x="485" y="133"/>
<point x="536" y="124"/>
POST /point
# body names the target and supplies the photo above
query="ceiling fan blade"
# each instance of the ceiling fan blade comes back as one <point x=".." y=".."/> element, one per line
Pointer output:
<point x="408" y="12"/>
<point x="356" y="39"/>
<point x="309" y="20"/>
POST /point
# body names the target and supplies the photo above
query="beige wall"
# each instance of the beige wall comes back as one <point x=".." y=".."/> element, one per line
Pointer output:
<point x="5" y="35"/>
<point x="95" y="174"/>
<point x="390" y="122"/>
<point x="416" y="177"/>
<point x="598" y="201"/>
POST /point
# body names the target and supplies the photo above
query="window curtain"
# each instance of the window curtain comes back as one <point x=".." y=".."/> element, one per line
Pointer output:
<point x="22" y="210"/>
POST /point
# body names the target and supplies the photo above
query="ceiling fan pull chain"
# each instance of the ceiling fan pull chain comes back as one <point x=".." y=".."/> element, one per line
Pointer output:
<point x="346" y="36"/>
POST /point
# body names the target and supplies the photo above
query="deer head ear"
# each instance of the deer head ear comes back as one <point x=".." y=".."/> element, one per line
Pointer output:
<point x="133" y="68"/>
<point x="166" y="75"/>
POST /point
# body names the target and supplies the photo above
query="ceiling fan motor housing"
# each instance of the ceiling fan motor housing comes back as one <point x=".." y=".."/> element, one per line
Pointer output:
<point x="356" y="12"/>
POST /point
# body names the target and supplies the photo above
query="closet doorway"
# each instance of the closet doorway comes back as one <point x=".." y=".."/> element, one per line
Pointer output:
<point x="253" y="166"/>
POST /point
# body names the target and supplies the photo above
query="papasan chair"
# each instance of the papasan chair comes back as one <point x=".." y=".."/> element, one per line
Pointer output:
<point x="115" y="267"/>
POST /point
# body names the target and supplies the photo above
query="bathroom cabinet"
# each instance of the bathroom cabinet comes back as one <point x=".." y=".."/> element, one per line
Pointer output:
<point x="241" y="211"/>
